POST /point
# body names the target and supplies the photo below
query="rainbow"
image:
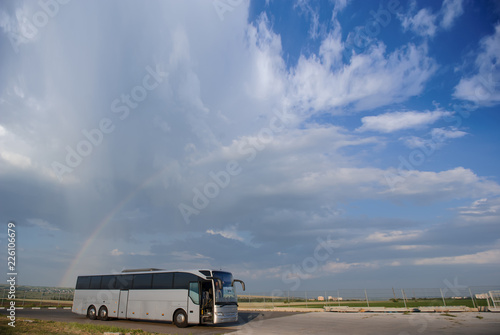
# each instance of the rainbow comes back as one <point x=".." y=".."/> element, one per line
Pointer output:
<point x="67" y="278"/>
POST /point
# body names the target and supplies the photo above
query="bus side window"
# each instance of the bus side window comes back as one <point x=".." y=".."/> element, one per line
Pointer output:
<point x="163" y="281"/>
<point x="182" y="279"/>
<point x="108" y="282"/>
<point x="194" y="292"/>
<point x="123" y="282"/>
<point x="142" y="281"/>
<point x="83" y="282"/>
<point x="95" y="282"/>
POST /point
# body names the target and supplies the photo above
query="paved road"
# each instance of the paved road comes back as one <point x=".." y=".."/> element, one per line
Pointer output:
<point x="65" y="315"/>
<point x="309" y="323"/>
<point x="376" y="323"/>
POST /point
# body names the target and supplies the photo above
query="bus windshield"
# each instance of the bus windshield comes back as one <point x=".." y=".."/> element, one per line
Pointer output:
<point x="225" y="295"/>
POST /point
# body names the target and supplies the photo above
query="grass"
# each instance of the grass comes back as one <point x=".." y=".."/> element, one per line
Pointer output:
<point x="359" y="303"/>
<point x="448" y="314"/>
<point x="36" y="303"/>
<point x="26" y="326"/>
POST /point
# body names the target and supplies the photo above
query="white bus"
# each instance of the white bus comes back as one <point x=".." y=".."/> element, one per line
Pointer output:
<point x="184" y="297"/>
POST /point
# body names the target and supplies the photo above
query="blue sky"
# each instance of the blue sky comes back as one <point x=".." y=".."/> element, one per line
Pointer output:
<point x="298" y="144"/>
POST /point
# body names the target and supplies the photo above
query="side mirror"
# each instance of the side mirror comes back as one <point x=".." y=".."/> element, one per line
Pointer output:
<point x="239" y="281"/>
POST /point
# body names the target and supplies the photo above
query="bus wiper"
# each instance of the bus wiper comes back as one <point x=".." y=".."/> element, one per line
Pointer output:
<point x="224" y="303"/>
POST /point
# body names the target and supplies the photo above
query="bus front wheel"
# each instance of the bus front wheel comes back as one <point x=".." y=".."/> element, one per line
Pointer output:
<point x="103" y="313"/>
<point x="92" y="313"/>
<point x="180" y="319"/>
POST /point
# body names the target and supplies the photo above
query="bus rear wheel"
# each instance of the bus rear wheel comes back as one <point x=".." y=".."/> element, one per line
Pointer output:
<point x="103" y="313"/>
<point x="92" y="313"/>
<point x="180" y="319"/>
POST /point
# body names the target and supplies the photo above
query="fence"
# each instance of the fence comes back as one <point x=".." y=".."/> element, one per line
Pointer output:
<point x="495" y="299"/>
<point x="24" y="297"/>
<point x="473" y="296"/>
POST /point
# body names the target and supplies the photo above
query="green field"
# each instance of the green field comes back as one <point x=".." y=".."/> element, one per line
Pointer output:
<point x="412" y="303"/>
<point x="30" y="293"/>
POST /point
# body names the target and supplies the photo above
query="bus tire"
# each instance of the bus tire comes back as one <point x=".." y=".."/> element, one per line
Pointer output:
<point x="91" y="312"/>
<point x="103" y="313"/>
<point x="180" y="319"/>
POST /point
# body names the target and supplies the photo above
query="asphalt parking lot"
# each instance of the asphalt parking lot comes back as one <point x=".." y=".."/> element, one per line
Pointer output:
<point x="269" y="322"/>
<point x="376" y="323"/>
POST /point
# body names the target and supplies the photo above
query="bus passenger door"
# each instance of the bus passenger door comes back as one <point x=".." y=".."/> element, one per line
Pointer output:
<point x="193" y="303"/>
<point x="122" y="304"/>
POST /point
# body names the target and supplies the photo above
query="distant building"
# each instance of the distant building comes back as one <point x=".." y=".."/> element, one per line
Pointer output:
<point x="482" y="296"/>
<point x="330" y="298"/>
<point x="321" y="298"/>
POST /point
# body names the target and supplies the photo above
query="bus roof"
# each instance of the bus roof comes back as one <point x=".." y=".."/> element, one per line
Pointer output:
<point x="154" y="270"/>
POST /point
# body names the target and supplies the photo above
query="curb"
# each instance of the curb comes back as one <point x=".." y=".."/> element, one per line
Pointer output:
<point x="282" y="309"/>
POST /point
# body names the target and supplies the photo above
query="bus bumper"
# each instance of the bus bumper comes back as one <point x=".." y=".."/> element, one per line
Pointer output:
<point x="226" y="314"/>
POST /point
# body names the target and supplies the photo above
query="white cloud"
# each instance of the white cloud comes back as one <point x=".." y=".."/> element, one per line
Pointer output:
<point x="268" y="78"/>
<point x="443" y="133"/>
<point x="42" y="224"/>
<point x="371" y="79"/>
<point x="328" y="268"/>
<point x="411" y="247"/>
<point x="15" y="159"/>
<point x="331" y="49"/>
<point x="12" y="26"/>
<point x="450" y="184"/>
<point x="394" y="121"/>
<point x="482" y="210"/>
<point x="21" y="26"/>
<point x="451" y="10"/>
<point x="413" y="142"/>
<point x="259" y="272"/>
<point x="230" y="233"/>
<point x="339" y="5"/>
<point x="275" y="175"/>
<point x="423" y="23"/>
<point x="483" y="88"/>
<point x="393" y="236"/>
<point x="438" y="136"/>
<point x="115" y="252"/>
<point x="340" y="267"/>
<point x="312" y="14"/>
<point x="141" y="253"/>
<point x="187" y="256"/>
<point x="483" y="257"/>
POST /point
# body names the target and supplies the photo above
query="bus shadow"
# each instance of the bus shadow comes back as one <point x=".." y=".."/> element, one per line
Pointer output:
<point x="246" y="317"/>
<point x="243" y="319"/>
